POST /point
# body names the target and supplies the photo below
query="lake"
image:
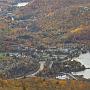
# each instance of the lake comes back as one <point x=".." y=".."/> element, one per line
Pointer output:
<point x="85" y="60"/>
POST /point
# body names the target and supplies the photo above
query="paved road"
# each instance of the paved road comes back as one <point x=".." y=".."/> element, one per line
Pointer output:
<point x="50" y="65"/>
<point x="42" y="63"/>
<point x="70" y="75"/>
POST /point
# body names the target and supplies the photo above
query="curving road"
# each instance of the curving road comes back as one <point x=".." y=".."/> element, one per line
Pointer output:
<point x="42" y="64"/>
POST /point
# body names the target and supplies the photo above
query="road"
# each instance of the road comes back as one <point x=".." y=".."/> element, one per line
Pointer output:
<point x="42" y="63"/>
<point x="70" y="75"/>
<point x="50" y="65"/>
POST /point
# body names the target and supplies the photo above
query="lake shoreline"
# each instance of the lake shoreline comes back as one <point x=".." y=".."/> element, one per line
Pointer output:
<point x="85" y="60"/>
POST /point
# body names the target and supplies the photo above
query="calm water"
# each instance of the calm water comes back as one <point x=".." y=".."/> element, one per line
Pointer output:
<point x="85" y="60"/>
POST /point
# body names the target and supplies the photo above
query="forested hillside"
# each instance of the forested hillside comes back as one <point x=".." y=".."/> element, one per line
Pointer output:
<point x="54" y="19"/>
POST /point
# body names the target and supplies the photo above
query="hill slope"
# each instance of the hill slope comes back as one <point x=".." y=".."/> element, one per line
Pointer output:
<point x="55" y="18"/>
<point x="47" y="22"/>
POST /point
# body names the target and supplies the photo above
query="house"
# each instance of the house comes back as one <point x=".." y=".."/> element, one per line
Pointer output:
<point x="64" y="76"/>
